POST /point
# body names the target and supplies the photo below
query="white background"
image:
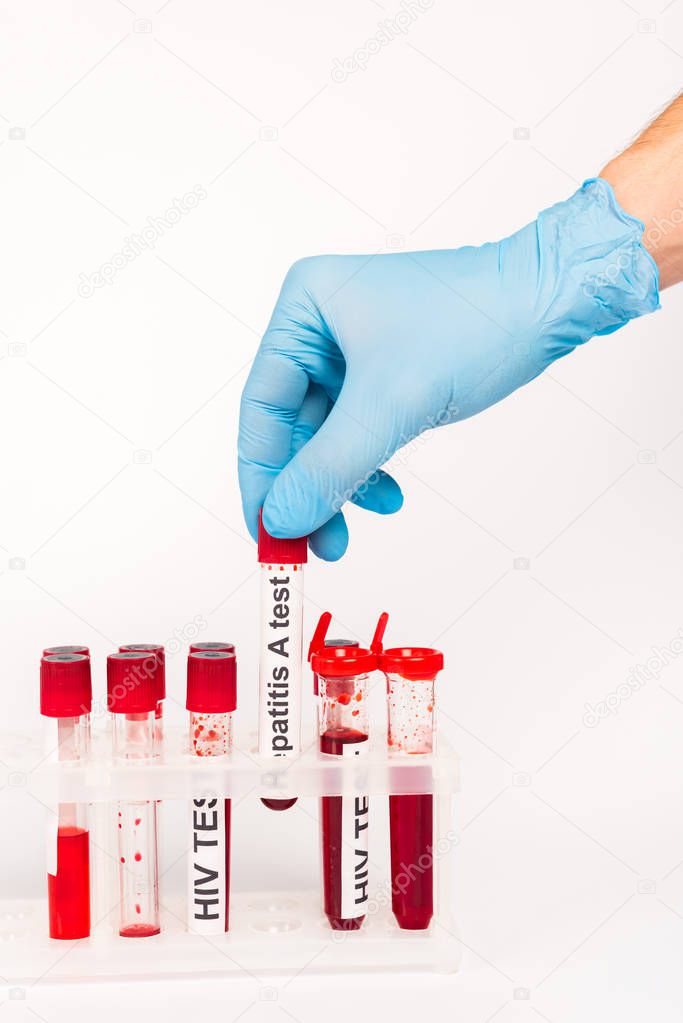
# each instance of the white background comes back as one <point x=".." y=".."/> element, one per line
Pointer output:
<point x="121" y="517"/>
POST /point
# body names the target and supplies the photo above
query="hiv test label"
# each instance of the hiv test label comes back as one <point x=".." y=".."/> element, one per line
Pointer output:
<point x="354" y="846"/>
<point x="280" y="653"/>
<point x="207" y="874"/>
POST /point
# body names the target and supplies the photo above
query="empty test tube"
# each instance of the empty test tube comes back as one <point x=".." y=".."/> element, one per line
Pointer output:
<point x="66" y="699"/>
<point x="133" y="695"/>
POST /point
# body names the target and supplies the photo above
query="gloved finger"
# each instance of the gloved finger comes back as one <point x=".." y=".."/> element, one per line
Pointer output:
<point x="353" y="441"/>
<point x="380" y="493"/>
<point x="330" y="541"/>
<point x="271" y="401"/>
<point x="312" y="415"/>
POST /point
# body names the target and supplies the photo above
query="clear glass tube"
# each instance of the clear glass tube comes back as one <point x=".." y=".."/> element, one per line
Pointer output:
<point x="208" y="876"/>
<point x="343" y="731"/>
<point x="280" y="664"/>
<point x="68" y="877"/>
<point x="137" y="830"/>
<point x="411" y="817"/>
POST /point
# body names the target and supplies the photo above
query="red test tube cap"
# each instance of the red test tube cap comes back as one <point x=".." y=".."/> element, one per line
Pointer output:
<point x="274" y="551"/>
<point x="75" y="649"/>
<point x="151" y="648"/>
<point x="226" y="648"/>
<point x="211" y="682"/>
<point x="65" y="685"/>
<point x="133" y="681"/>
<point x="411" y="662"/>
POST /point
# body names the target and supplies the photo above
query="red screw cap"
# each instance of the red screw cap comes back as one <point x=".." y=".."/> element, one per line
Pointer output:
<point x="151" y="648"/>
<point x="273" y="551"/>
<point x="226" y="648"/>
<point x="66" y="650"/>
<point x="65" y="686"/>
<point x="133" y="682"/>
<point x="211" y="682"/>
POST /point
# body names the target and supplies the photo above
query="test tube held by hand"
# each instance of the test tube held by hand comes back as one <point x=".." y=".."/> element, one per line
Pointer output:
<point x="280" y="648"/>
<point x="342" y="674"/>
<point x="66" y="699"/>
<point x="211" y="700"/>
<point x="132" y="696"/>
<point x="411" y="673"/>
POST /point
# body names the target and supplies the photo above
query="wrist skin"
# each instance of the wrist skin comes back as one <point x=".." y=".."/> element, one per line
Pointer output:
<point x="647" y="180"/>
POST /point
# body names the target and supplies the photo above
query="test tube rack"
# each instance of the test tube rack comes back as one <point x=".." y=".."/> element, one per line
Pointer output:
<point x="281" y="932"/>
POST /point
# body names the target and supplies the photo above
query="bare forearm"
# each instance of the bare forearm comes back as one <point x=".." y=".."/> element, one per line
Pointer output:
<point x="647" y="179"/>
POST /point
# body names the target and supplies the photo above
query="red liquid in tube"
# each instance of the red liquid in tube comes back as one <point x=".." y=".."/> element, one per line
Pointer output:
<point x="334" y="741"/>
<point x="411" y="823"/>
<point x="411" y="674"/>
<point x="66" y="698"/>
<point x="69" y="910"/>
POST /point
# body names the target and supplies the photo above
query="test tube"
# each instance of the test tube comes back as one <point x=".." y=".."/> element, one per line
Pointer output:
<point x="343" y="728"/>
<point x="280" y="648"/>
<point x="66" y="698"/>
<point x="158" y="649"/>
<point x="50" y="650"/>
<point x="226" y="648"/>
<point x="411" y="673"/>
<point x="132" y="696"/>
<point x="211" y="700"/>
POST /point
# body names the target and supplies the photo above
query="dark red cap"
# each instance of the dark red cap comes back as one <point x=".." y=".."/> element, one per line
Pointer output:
<point x="411" y="662"/>
<point x="273" y="551"/>
<point x="152" y="648"/>
<point x="66" y="650"/>
<point x="65" y="685"/>
<point x="226" y="648"/>
<point x="133" y="681"/>
<point x="211" y="682"/>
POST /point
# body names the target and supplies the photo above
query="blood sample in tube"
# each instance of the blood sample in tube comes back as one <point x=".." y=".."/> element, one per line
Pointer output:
<point x="211" y="700"/>
<point x="66" y="699"/>
<point x="343" y="723"/>
<point x="280" y="648"/>
<point x="411" y="673"/>
<point x="132" y="694"/>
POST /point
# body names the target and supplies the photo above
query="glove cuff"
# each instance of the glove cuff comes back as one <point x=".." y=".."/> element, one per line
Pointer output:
<point x="594" y="243"/>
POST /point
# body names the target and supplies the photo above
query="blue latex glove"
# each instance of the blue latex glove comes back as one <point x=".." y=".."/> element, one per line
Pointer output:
<point x="362" y="353"/>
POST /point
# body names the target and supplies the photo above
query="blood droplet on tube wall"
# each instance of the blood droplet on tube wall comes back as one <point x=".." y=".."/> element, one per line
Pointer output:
<point x="280" y="648"/>
<point x="66" y="699"/>
<point x="211" y="700"/>
<point x="158" y="649"/>
<point x="411" y="673"/>
<point x="132" y="695"/>
<point x="343" y="721"/>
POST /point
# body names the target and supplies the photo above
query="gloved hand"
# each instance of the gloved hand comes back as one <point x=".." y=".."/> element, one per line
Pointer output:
<point x="363" y="353"/>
